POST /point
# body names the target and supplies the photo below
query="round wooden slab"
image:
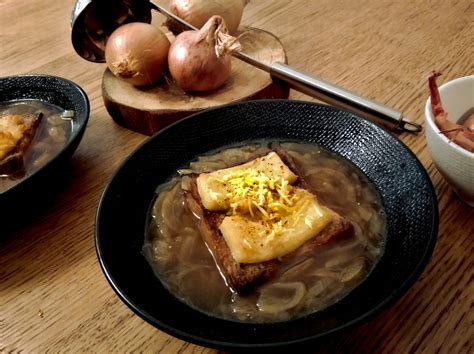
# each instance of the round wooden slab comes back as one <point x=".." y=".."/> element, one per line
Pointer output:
<point x="147" y="110"/>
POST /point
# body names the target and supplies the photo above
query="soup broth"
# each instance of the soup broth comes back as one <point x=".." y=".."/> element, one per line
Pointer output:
<point x="181" y="260"/>
<point x="51" y="136"/>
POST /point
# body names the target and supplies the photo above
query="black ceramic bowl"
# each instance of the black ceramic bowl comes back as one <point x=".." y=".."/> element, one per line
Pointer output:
<point x="407" y="193"/>
<point x="58" y="91"/>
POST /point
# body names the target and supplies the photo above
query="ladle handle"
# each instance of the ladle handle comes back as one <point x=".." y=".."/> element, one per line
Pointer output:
<point x="339" y="97"/>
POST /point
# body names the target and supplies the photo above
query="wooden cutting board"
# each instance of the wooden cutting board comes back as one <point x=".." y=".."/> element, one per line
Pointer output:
<point x="147" y="110"/>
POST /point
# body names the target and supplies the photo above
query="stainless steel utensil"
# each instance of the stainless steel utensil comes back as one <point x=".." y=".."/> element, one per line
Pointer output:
<point x="300" y="81"/>
<point x="92" y="22"/>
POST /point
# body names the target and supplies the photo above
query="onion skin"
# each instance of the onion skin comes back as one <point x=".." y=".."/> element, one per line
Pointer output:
<point x="137" y="53"/>
<point x="198" y="12"/>
<point x="201" y="60"/>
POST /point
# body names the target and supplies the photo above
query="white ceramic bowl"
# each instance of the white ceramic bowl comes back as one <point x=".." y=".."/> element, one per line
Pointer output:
<point x="453" y="162"/>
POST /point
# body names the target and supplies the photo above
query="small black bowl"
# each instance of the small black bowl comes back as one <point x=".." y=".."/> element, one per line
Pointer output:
<point x="408" y="198"/>
<point x="41" y="183"/>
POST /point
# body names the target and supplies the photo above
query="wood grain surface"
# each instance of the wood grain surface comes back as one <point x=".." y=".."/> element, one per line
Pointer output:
<point x="53" y="295"/>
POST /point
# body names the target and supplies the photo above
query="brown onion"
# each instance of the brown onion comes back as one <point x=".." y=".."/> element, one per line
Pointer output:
<point x="137" y="52"/>
<point x="198" y="12"/>
<point x="201" y="60"/>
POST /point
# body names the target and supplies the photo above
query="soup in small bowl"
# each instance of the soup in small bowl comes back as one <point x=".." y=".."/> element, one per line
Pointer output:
<point x="42" y="121"/>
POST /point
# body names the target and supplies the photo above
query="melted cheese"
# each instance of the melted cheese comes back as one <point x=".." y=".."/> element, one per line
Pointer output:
<point x="214" y="188"/>
<point x="254" y="241"/>
<point x="12" y="129"/>
<point x="266" y="217"/>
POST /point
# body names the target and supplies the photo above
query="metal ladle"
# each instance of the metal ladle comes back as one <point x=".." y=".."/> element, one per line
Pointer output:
<point x="138" y="10"/>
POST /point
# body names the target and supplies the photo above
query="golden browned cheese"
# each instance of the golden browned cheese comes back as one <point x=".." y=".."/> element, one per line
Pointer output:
<point x="12" y="129"/>
<point x="16" y="134"/>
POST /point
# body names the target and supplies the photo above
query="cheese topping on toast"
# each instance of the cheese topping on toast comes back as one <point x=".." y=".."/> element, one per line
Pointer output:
<point x="266" y="216"/>
<point x="214" y="189"/>
<point x="12" y="130"/>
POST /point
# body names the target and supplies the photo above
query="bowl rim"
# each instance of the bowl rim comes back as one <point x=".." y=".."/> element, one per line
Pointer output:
<point x="429" y="118"/>
<point x="215" y="343"/>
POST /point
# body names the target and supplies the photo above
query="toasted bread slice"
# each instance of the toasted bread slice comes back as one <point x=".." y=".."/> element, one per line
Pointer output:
<point x="16" y="134"/>
<point x="240" y="276"/>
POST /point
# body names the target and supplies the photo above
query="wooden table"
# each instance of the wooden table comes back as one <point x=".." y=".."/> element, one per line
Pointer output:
<point x="53" y="295"/>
